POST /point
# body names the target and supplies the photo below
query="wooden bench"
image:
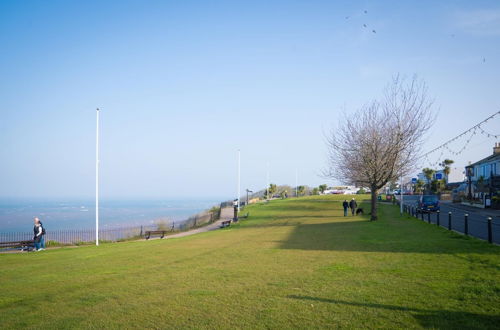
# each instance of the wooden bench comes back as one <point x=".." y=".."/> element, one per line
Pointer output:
<point x="23" y="245"/>
<point x="225" y="223"/>
<point x="149" y="233"/>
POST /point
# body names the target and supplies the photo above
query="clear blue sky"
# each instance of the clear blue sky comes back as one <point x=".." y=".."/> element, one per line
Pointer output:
<point x="182" y="85"/>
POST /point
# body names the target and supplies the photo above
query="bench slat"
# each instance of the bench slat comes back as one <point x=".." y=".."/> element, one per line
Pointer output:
<point x="148" y="233"/>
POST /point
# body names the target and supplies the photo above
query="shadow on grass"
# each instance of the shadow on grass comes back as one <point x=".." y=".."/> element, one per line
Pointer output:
<point x="323" y="227"/>
<point x="365" y="236"/>
<point x="426" y="318"/>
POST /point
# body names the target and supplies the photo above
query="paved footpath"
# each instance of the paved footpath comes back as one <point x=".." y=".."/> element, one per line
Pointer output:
<point x="225" y="214"/>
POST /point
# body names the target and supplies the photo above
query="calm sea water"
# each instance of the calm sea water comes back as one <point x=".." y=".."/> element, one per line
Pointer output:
<point x="17" y="214"/>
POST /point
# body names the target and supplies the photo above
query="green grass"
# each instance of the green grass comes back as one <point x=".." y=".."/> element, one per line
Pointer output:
<point x="294" y="263"/>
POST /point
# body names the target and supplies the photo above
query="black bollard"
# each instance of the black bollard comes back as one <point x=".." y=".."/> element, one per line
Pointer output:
<point x="429" y="217"/>
<point x="490" y="234"/>
<point x="449" y="220"/>
<point x="422" y="214"/>
<point x="437" y="216"/>
<point x="466" y="224"/>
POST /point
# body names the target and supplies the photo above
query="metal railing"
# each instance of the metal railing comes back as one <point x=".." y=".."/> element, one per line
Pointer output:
<point x="482" y="227"/>
<point x="85" y="236"/>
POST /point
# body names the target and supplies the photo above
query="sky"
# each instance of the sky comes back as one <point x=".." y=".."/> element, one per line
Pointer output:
<point x="182" y="86"/>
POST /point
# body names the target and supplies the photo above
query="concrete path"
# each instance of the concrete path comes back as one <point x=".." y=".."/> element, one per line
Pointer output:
<point x="225" y="214"/>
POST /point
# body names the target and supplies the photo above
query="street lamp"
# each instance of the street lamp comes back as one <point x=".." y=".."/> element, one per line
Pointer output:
<point x="239" y="178"/>
<point x="248" y="191"/>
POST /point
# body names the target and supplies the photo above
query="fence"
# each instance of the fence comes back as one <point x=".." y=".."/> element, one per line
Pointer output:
<point x="81" y="236"/>
<point x="462" y="222"/>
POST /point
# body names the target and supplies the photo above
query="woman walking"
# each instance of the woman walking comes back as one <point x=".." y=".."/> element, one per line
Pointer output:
<point x="38" y="232"/>
<point x="346" y="206"/>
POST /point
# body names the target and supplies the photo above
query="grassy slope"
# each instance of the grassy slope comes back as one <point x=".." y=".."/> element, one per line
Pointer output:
<point x="293" y="263"/>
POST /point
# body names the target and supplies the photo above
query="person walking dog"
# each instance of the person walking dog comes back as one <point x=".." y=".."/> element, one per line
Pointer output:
<point x="345" y="204"/>
<point x="353" y="205"/>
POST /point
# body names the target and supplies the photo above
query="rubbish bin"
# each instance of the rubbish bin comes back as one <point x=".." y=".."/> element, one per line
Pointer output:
<point x="379" y="197"/>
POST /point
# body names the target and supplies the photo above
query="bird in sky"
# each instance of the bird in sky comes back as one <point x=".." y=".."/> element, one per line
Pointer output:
<point x="366" y="11"/>
<point x="347" y="17"/>
<point x="364" y="25"/>
<point x="484" y="59"/>
<point x="374" y="31"/>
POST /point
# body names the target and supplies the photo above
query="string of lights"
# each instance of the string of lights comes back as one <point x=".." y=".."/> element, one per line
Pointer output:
<point x="464" y="146"/>
<point x="437" y="161"/>
<point x="473" y="131"/>
<point x="488" y="134"/>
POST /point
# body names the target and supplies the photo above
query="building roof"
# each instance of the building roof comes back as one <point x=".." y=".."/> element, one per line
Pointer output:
<point x="485" y="160"/>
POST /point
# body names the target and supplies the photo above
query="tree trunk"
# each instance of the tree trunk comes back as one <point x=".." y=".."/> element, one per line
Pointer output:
<point x="374" y="204"/>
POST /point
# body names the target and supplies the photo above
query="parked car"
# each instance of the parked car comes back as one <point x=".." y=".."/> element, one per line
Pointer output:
<point x="428" y="203"/>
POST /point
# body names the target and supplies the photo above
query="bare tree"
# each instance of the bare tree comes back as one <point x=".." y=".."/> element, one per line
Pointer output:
<point x="381" y="142"/>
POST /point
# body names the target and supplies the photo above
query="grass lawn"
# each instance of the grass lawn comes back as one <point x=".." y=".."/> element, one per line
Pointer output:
<point x="294" y="263"/>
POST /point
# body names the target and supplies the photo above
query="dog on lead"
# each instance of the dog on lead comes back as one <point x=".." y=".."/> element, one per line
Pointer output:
<point x="359" y="211"/>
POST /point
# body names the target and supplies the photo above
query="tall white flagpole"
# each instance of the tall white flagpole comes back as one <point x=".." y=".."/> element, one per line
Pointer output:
<point x="239" y="178"/>
<point x="97" y="180"/>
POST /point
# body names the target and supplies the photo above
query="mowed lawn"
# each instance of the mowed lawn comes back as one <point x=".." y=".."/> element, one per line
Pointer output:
<point x="296" y="263"/>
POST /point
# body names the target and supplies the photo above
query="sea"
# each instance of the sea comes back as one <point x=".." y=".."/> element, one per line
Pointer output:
<point x="16" y="215"/>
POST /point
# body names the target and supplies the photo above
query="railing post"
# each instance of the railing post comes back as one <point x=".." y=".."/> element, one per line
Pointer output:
<point x="429" y="217"/>
<point x="422" y="215"/>
<point x="449" y="220"/>
<point x="490" y="234"/>
<point x="437" y="220"/>
<point x="466" y="224"/>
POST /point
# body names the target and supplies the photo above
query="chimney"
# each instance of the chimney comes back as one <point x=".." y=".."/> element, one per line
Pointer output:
<point x="496" y="149"/>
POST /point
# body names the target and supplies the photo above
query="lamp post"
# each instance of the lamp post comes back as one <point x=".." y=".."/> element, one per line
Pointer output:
<point x="469" y="181"/>
<point x="248" y="191"/>
<point x="239" y="178"/>
<point x="490" y="193"/>
<point x="296" y="181"/>
<point x="267" y="182"/>
<point x="401" y="194"/>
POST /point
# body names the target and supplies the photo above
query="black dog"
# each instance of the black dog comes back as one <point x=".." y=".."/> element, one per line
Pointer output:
<point x="359" y="211"/>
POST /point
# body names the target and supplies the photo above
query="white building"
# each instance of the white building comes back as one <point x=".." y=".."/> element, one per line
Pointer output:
<point x="485" y="167"/>
<point x="456" y="175"/>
